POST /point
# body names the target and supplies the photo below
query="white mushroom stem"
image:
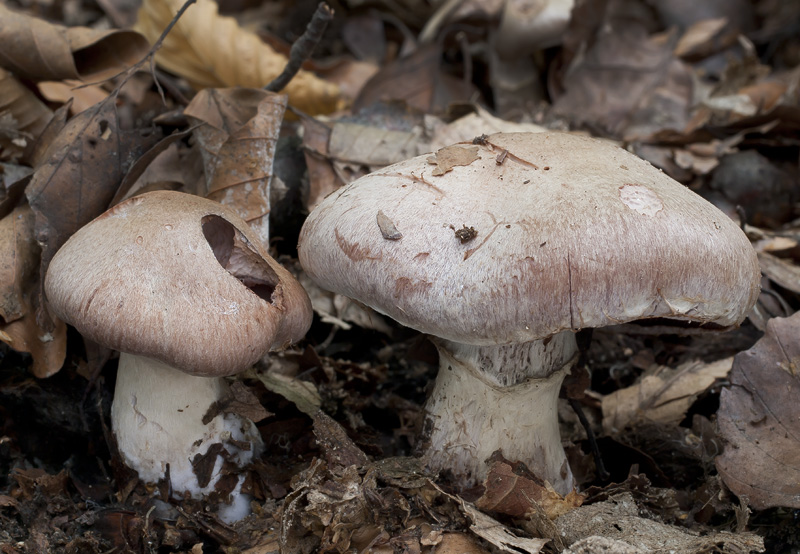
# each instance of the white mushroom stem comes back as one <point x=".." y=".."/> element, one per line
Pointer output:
<point x="489" y="398"/>
<point x="157" y="417"/>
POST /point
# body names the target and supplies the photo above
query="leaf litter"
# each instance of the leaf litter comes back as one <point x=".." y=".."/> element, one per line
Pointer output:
<point x="708" y="95"/>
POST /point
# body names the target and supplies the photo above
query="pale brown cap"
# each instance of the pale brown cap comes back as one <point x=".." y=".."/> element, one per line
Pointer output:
<point x="180" y="279"/>
<point x="524" y="235"/>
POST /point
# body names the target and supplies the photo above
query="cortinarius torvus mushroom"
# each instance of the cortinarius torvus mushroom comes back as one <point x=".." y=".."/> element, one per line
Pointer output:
<point x="185" y="291"/>
<point x="502" y="249"/>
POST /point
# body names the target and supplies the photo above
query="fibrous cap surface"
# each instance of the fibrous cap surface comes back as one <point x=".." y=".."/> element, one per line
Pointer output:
<point x="180" y="279"/>
<point x="523" y="235"/>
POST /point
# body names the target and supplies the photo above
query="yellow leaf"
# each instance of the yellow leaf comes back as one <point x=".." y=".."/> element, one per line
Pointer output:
<point x="213" y="51"/>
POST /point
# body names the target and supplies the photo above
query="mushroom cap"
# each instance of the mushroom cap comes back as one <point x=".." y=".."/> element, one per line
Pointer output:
<point x="523" y="235"/>
<point x="180" y="279"/>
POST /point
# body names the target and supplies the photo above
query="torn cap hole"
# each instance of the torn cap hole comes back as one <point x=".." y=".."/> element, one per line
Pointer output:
<point x="235" y="254"/>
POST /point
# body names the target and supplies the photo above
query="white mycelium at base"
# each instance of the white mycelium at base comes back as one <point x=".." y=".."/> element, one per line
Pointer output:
<point x="157" y="420"/>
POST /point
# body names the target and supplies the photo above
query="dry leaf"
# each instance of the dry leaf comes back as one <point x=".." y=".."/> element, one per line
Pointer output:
<point x="511" y="489"/>
<point x="19" y="260"/>
<point x="780" y="271"/>
<point x="499" y="535"/>
<point x="618" y="519"/>
<point x="371" y="146"/>
<point x="238" y="142"/>
<point x="13" y="180"/>
<point x="449" y="157"/>
<point x="38" y="50"/>
<point x="705" y="37"/>
<point x="759" y="418"/>
<point x="341" y="311"/>
<point x="480" y="122"/>
<point x="663" y="396"/>
<point x="238" y="400"/>
<point x="618" y="77"/>
<point x="29" y="114"/>
<point x="323" y="180"/>
<point x="78" y="171"/>
<point x="302" y="393"/>
<point x="418" y="80"/>
<point x="19" y="296"/>
<point x="457" y="543"/>
<point x="339" y="450"/>
<point x="387" y="227"/>
<point x="213" y="51"/>
<point x="82" y="97"/>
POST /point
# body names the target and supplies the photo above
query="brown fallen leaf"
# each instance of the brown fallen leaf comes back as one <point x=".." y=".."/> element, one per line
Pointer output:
<point x="239" y="400"/>
<point x="83" y="96"/>
<point x="663" y="395"/>
<point x="322" y="178"/>
<point x="338" y="449"/>
<point x="19" y="296"/>
<point x="238" y="142"/>
<point x="706" y="37"/>
<point x="213" y="51"/>
<point x="618" y="77"/>
<point x="371" y="146"/>
<point x="449" y="157"/>
<point x="511" y="489"/>
<point x="29" y="115"/>
<point x="418" y="80"/>
<point x="458" y="543"/>
<point x="780" y="271"/>
<point x="78" y="168"/>
<point x="759" y="418"/>
<point x="19" y="258"/>
<point x="41" y="51"/>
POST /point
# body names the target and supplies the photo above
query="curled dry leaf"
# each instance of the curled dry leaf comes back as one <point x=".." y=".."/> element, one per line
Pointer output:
<point x="759" y="418"/>
<point x="238" y="142"/>
<point x="79" y="166"/>
<point x="38" y="50"/>
<point x="511" y="489"/>
<point x="663" y="396"/>
<point x="82" y="97"/>
<point x="213" y="51"/>
<point x="19" y="296"/>
<point x="303" y="394"/>
<point x="30" y="114"/>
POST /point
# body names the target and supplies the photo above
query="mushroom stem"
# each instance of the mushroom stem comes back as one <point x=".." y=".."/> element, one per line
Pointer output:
<point x="157" y="417"/>
<point x="489" y="398"/>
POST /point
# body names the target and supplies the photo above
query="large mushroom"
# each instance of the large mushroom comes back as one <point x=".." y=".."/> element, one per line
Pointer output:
<point x="501" y="250"/>
<point x="182" y="287"/>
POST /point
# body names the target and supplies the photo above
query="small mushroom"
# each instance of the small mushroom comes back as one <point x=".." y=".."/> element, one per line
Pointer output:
<point x="599" y="238"/>
<point x="182" y="287"/>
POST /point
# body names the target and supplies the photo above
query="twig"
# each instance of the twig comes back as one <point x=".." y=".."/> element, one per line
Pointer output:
<point x="303" y="47"/>
<point x="602" y="473"/>
<point x="150" y="56"/>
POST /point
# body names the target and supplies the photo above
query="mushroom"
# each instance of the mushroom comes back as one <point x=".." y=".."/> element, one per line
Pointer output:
<point x="183" y="288"/>
<point x="501" y="250"/>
